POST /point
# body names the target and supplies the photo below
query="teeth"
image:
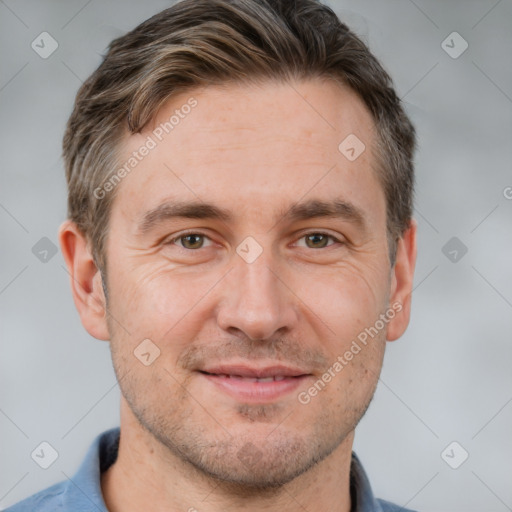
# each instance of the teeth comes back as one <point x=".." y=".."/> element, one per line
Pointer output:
<point x="255" y="379"/>
<point x="246" y="379"/>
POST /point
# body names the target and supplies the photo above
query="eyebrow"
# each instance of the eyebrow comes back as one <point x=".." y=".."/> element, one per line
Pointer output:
<point x="339" y="208"/>
<point x="177" y="209"/>
<point x="311" y="209"/>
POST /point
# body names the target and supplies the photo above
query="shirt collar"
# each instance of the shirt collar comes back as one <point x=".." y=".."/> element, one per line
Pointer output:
<point x="361" y="493"/>
<point x="83" y="491"/>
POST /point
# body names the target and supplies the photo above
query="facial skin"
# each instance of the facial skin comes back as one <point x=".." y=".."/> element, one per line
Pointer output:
<point x="254" y="151"/>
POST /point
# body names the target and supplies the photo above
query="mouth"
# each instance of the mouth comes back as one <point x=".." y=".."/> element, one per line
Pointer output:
<point x="255" y="384"/>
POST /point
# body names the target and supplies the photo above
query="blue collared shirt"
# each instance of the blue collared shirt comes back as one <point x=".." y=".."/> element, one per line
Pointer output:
<point x="82" y="493"/>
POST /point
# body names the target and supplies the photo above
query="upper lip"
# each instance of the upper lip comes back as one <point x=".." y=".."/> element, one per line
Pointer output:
<point x="255" y="372"/>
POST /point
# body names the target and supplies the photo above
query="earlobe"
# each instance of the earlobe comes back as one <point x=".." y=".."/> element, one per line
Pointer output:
<point x="402" y="282"/>
<point x="85" y="280"/>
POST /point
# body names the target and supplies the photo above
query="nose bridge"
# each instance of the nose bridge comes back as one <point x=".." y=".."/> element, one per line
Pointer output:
<point x="256" y="301"/>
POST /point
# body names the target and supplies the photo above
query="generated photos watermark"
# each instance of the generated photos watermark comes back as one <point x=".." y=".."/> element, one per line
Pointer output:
<point x="149" y="144"/>
<point x="305" y="397"/>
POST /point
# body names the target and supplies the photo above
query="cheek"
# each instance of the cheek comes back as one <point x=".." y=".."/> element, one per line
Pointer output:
<point x="345" y="300"/>
<point x="159" y="303"/>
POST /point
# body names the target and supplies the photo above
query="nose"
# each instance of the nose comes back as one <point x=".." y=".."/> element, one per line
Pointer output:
<point x="256" y="300"/>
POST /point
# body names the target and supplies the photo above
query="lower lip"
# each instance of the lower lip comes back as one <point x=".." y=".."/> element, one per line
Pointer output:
<point x="255" y="392"/>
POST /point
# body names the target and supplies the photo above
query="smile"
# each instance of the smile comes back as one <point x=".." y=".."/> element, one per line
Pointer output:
<point x="255" y="385"/>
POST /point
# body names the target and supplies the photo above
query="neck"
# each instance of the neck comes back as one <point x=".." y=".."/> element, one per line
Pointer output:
<point x="146" y="474"/>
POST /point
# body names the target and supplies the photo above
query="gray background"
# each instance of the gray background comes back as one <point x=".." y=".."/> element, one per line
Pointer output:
<point x="447" y="379"/>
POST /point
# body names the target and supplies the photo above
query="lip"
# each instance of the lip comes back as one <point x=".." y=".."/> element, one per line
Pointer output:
<point x="255" y="384"/>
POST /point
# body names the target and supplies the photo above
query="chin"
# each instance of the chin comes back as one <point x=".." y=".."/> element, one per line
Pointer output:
<point x="247" y="464"/>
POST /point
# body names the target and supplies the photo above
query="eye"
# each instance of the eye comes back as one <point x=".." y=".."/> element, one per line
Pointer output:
<point x="318" y="240"/>
<point x="189" y="240"/>
<point x="194" y="240"/>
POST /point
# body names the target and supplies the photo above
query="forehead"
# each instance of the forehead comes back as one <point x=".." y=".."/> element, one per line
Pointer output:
<point x="254" y="149"/>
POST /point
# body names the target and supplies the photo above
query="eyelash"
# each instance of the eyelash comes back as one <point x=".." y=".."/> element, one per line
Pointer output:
<point x="187" y="233"/>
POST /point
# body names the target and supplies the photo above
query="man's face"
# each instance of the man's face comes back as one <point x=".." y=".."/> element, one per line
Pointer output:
<point x="250" y="310"/>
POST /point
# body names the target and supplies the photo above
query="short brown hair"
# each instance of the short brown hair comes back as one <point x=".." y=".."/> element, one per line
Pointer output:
<point x="205" y="42"/>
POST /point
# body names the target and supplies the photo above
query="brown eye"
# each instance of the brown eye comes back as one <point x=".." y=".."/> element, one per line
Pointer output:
<point x="193" y="241"/>
<point x="317" y="240"/>
<point x="190" y="240"/>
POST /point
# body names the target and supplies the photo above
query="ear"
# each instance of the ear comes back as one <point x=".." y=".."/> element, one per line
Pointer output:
<point x="402" y="282"/>
<point x="85" y="279"/>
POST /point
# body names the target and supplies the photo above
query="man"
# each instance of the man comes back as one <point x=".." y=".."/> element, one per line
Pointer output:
<point x="240" y="194"/>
